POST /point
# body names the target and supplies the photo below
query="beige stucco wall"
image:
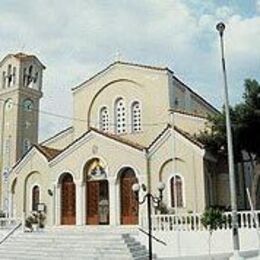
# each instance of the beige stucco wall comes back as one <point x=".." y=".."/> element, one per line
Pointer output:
<point x="34" y="170"/>
<point x="37" y="171"/>
<point x="188" y="123"/>
<point x="111" y="152"/>
<point x="189" y="166"/>
<point x="150" y="87"/>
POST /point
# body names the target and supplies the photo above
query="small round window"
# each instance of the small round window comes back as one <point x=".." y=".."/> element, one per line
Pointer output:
<point x="28" y="105"/>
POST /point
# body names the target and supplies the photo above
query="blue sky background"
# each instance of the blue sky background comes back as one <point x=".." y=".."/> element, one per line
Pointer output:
<point x="76" y="39"/>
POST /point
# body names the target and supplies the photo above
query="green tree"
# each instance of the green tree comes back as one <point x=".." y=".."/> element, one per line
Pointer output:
<point x="245" y="118"/>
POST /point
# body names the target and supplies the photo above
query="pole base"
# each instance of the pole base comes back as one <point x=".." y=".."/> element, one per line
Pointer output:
<point x="236" y="256"/>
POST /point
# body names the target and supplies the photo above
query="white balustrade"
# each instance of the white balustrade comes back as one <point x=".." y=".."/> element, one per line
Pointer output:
<point x="6" y="223"/>
<point x="192" y="222"/>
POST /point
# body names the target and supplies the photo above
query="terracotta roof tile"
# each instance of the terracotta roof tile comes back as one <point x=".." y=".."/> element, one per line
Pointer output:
<point x="120" y="139"/>
<point x="49" y="153"/>
<point x="123" y="63"/>
<point x="180" y="131"/>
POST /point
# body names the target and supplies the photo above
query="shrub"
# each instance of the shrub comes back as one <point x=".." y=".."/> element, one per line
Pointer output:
<point x="212" y="219"/>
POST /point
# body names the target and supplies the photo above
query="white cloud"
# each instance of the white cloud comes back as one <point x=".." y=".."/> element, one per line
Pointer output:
<point x="76" y="39"/>
<point x="258" y="5"/>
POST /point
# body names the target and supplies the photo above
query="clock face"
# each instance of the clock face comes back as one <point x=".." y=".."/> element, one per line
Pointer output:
<point x="27" y="105"/>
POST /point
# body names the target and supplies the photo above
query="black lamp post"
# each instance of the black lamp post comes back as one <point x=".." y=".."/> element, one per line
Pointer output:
<point x="151" y="200"/>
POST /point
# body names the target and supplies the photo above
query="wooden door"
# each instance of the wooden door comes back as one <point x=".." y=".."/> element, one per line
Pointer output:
<point x="129" y="205"/>
<point x="92" y="191"/>
<point x="68" y="201"/>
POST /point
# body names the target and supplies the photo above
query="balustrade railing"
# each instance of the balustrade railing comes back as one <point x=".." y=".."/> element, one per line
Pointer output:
<point x="192" y="222"/>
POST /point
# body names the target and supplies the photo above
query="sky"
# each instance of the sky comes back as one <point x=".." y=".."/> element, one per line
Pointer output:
<point x="76" y="39"/>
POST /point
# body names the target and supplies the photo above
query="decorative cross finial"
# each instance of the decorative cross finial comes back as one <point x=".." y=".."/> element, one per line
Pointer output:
<point x="118" y="56"/>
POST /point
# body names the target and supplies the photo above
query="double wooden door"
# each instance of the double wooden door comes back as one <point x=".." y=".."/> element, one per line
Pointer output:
<point x="97" y="203"/>
<point x="129" y="204"/>
<point x="68" y="201"/>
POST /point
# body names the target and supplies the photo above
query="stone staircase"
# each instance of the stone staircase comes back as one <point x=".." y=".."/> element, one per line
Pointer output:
<point x="74" y="243"/>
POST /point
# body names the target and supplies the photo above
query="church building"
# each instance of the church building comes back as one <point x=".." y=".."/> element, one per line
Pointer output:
<point x="131" y="123"/>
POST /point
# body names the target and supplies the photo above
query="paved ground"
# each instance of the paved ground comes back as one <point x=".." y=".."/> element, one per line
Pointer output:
<point x="252" y="255"/>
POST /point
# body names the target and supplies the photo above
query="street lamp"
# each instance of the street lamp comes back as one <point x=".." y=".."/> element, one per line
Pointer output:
<point x="151" y="199"/>
<point x="220" y="28"/>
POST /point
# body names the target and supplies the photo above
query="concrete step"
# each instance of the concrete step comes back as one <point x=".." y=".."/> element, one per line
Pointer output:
<point x="74" y="244"/>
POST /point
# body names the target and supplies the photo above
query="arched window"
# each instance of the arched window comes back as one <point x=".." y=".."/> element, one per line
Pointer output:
<point x="120" y="116"/>
<point x="9" y="72"/>
<point x="30" y="75"/>
<point x="176" y="186"/>
<point x="104" y="119"/>
<point x="35" y="197"/>
<point x="24" y="77"/>
<point x="136" y="117"/>
<point x="14" y="75"/>
<point x="3" y="79"/>
<point x="26" y="145"/>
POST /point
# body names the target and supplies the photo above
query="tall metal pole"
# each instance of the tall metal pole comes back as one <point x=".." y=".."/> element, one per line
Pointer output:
<point x="221" y="27"/>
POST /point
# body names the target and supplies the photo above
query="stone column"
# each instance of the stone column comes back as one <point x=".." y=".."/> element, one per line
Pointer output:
<point x="113" y="206"/>
<point x="11" y="206"/>
<point x="79" y="195"/>
<point x="54" y="205"/>
<point x="57" y="198"/>
<point x="84" y="203"/>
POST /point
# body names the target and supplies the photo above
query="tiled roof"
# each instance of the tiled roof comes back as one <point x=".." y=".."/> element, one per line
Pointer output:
<point x="189" y="113"/>
<point x="120" y="139"/>
<point x="189" y="137"/>
<point x="49" y="153"/>
<point x="180" y="131"/>
<point x="22" y="56"/>
<point x="123" y="63"/>
<point x="109" y="135"/>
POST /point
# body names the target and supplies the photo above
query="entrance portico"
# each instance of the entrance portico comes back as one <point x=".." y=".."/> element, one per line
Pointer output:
<point x="97" y="199"/>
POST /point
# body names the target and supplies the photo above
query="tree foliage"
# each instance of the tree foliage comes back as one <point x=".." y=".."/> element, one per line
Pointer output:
<point x="212" y="219"/>
<point x="245" y="118"/>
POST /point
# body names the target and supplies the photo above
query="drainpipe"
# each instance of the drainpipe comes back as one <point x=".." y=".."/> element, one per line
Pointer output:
<point x="2" y="153"/>
<point x="148" y="170"/>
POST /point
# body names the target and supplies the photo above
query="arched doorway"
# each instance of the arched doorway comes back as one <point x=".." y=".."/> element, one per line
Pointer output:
<point x="97" y="203"/>
<point x="97" y="193"/>
<point x="68" y="200"/>
<point x="128" y="202"/>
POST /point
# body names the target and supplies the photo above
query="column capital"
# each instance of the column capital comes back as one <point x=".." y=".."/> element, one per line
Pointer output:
<point x="78" y="182"/>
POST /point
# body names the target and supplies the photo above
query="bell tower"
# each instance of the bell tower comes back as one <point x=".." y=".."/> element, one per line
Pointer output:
<point x="20" y="93"/>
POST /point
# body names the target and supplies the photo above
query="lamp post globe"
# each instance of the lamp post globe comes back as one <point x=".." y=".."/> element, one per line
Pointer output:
<point x="220" y="27"/>
<point x="161" y="186"/>
<point x="136" y="187"/>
